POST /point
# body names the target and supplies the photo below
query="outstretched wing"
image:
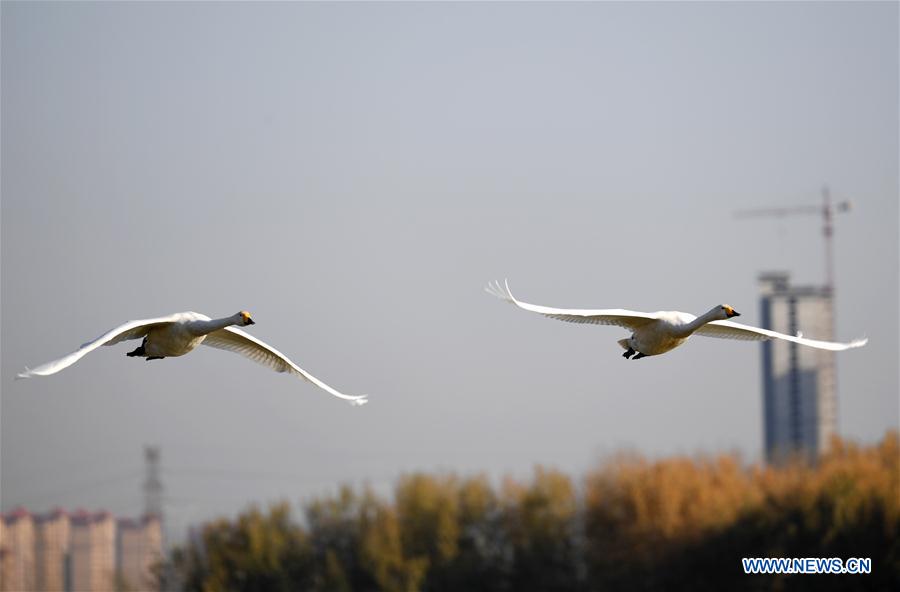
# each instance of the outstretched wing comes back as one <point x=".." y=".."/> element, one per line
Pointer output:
<point x="613" y="316"/>
<point x="234" y="340"/>
<point x="130" y="330"/>
<point x="732" y="330"/>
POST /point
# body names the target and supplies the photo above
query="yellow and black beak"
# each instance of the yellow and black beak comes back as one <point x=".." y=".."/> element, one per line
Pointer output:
<point x="733" y="313"/>
<point x="250" y="321"/>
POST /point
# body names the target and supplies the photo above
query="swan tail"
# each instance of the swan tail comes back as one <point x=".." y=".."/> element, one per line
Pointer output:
<point x="359" y="401"/>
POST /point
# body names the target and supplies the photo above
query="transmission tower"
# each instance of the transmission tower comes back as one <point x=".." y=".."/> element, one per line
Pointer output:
<point x="153" y="488"/>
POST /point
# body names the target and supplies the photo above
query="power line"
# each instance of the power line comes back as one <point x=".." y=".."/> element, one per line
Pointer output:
<point x="83" y="487"/>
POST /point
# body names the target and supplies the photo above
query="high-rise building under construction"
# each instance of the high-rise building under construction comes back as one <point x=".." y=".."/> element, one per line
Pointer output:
<point x="799" y="390"/>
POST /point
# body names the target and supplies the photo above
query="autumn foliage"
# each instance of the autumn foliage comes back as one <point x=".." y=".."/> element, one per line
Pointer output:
<point x="632" y="524"/>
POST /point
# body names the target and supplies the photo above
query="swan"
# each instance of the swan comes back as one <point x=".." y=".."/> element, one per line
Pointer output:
<point x="178" y="334"/>
<point x="655" y="333"/>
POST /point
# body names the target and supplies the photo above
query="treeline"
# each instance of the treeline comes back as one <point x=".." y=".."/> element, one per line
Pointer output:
<point x="633" y="524"/>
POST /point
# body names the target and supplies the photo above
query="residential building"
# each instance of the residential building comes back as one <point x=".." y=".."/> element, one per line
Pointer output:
<point x="52" y="534"/>
<point x="93" y="552"/>
<point x="17" y="545"/>
<point x="140" y="552"/>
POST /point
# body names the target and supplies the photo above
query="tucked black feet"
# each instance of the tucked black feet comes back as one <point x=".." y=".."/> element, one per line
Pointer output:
<point x="639" y="356"/>
<point x="156" y="358"/>
<point x="627" y="355"/>
<point x="140" y="351"/>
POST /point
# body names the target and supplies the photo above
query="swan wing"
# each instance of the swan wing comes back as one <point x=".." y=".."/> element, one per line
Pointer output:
<point x="732" y="330"/>
<point x="124" y="332"/>
<point x="614" y="316"/>
<point x="234" y="340"/>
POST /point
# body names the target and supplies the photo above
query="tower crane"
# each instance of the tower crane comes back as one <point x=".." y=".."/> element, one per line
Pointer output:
<point x="827" y="210"/>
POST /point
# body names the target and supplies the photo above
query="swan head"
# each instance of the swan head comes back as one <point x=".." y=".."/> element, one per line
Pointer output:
<point x="245" y="318"/>
<point x="726" y="312"/>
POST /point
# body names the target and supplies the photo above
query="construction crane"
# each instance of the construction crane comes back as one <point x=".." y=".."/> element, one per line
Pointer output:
<point x="826" y="365"/>
<point x="826" y="210"/>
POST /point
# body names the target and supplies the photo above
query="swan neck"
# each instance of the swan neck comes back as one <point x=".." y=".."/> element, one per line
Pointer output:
<point x="206" y="327"/>
<point x="689" y="328"/>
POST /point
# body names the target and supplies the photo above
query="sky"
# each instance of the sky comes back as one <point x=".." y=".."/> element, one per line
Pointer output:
<point x="354" y="175"/>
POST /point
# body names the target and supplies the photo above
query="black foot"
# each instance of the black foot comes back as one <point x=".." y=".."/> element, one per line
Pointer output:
<point x="138" y="352"/>
<point x="627" y="355"/>
<point x="639" y="356"/>
<point x="156" y="358"/>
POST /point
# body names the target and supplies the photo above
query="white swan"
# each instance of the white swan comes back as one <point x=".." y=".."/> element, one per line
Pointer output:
<point x="180" y="333"/>
<point x="655" y="333"/>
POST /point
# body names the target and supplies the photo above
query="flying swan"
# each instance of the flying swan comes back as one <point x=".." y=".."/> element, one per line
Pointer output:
<point x="655" y="333"/>
<point x="178" y="334"/>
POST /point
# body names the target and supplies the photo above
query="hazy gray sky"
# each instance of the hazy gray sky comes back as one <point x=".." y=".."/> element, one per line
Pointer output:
<point x="354" y="174"/>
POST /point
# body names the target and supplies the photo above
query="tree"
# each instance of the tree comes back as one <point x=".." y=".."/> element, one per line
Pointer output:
<point x="257" y="553"/>
<point x="675" y="523"/>
<point x="542" y="521"/>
